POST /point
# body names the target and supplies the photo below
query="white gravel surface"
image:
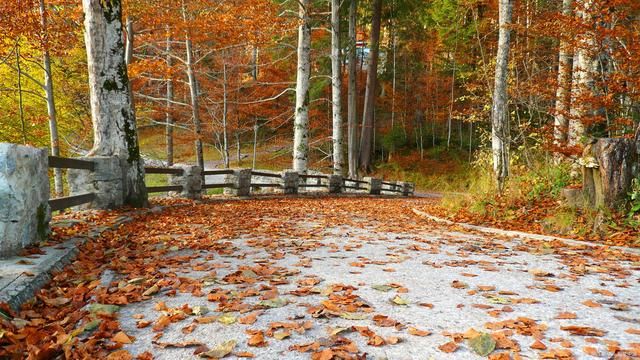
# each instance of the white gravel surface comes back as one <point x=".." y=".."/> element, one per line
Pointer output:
<point x="426" y="264"/>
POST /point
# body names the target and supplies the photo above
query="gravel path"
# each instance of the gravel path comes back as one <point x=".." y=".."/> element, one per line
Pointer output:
<point x="449" y="286"/>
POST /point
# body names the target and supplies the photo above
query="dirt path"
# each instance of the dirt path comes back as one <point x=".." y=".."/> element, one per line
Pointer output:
<point x="340" y="278"/>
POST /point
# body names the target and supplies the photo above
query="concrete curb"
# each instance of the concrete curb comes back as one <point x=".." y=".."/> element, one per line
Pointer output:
<point x="521" y="234"/>
<point x="21" y="277"/>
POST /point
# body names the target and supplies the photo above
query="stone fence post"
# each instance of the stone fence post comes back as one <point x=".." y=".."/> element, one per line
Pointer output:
<point x="105" y="181"/>
<point x="373" y="185"/>
<point x="24" y="197"/>
<point x="335" y="184"/>
<point x="241" y="180"/>
<point x="290" y="182"/>
<point x="407" y="188"/>
<point x="191" y="181"/>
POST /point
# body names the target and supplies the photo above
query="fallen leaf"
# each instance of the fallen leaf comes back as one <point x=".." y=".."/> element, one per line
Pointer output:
<point x="417" y="332"/>
<point x="220" y="350"/>
<point x="227" y="319"/>
<point x="482" y="344"/>
<point x="448" y="347"/>
<point x="121" y="338"/>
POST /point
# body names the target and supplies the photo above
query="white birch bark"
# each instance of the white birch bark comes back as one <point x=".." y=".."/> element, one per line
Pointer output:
<point x="336" y="88"/>
<point x="193" y="91"/>
<point x="114" y="124"/>
<point x="352" y="135"/>
<point x="225" y="136"/>
<point x="168" y="114"/>
<point x="563" y="91"/>
<point x="51" y="105"/>
<point x="301" y="122"/>
<point x="584" y="67"/>
<point x="500" y="132"/>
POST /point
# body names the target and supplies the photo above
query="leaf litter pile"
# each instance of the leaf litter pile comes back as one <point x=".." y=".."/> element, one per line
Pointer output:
<point x="327" y="278"/>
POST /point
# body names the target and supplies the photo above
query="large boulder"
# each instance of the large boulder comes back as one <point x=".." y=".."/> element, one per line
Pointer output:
<point x="24" y="197"/>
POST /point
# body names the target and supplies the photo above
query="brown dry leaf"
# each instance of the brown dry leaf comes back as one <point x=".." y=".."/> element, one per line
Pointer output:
<point x="471" y="333"/>
<point x="140" y="324"/>
<point x="121" y="338"/>
<point x="560" y="354"/>
<point x="417" y="332"/>
<point x="538" y="345"/>
<point x="59" y="301"/>
<point x="457" y="284"/>
<point x="326" y="354"/>
<point x="603" y="292"/>
<point x="257" y="339"/>
<point x="384" y="321"/>
<point x="583" y="330"/>
<point x="500" y="356"/>
<point x="120" y="355"/>
<point x="448" y="347"/>
<point x="206" y="319"/>
<point x="162" y="323"/>
<point x="566" y="316"/>
<point x="591" y="303"/>
<point x="244" y="354"/>
<point x="633" y="331"/>
<point x="249" y="319"/>
<point x="590" y="350"/>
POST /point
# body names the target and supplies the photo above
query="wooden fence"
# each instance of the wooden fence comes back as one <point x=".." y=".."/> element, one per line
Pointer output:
<point x="266" y="179"/>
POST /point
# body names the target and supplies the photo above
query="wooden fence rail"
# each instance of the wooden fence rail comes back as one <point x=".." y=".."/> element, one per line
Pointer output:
<point x="67" y="163"/>
<point x="66" y="202"/>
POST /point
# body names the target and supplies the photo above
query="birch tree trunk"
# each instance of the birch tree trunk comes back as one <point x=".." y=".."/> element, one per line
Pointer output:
<point x="168" y="115"/>
<point x="366" y="137"/>
<point x="225" y="107"/>
<point x="563" y="92"/>
<point x="584" y="67"/>
<point x="301" y="122"/>
<point x="114" y="125"/>
<point x="51" y="105"/>
<point x="500" y="133"/>
<point x="20" y="99"/>
<point x="336" y="88"/>
<point x="352" y="112"/>
<point x="193" y="91"/>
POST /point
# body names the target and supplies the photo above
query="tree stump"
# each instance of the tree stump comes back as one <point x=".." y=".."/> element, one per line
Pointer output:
<point x="609" y="165"/>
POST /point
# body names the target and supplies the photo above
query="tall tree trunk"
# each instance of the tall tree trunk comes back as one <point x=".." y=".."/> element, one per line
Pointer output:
<point x="20" y="100"/>
<point x="584" y="67"/>
<point x="254" y="73"/>
<point x="563" y="91"/>
<point x="238" y="150"/>
<point x="366" y="138"/>
<point x="500" y="134"/>
<point x="193" y="91"/>
<point x="256" y="127"/>
<point x="114" y="123"/>
<point x="168" y="114"/>
<point x="336" y="88"/>
<point x="51" y="105"/>
<point x="352" y="114"/>
<point x="225" y="111"/>
<point x="301" y="123"/>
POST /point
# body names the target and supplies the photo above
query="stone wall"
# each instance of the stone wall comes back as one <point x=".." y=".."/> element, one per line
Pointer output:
<point x="24" y="197"/>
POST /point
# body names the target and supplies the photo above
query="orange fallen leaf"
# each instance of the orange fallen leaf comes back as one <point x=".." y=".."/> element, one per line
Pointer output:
<point x="448" y="347"/>
<point x="121" y="338"/>
<point x="418" y="332"/>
